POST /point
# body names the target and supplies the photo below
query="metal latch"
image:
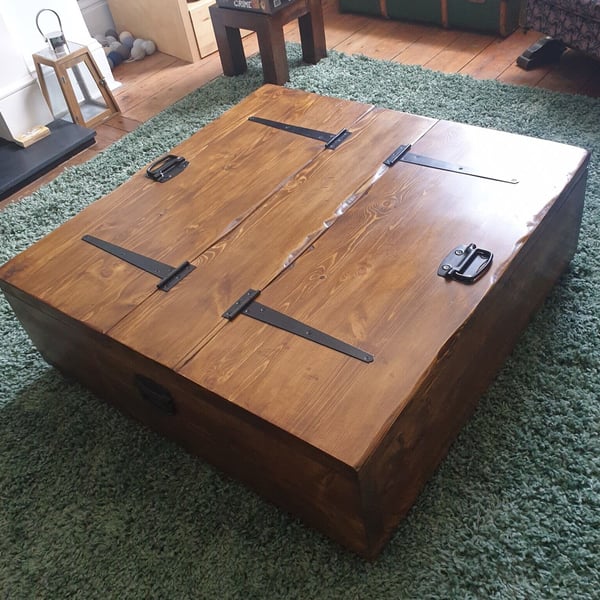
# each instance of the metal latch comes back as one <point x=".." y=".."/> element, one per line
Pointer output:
<point x="166" y="168"/>
<point x="465" y="263"/>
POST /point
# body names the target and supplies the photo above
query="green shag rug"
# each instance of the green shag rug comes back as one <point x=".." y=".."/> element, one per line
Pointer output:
<point x="94" y="506"/>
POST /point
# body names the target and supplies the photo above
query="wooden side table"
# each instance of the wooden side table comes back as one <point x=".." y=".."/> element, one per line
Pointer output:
<point x="227" y="23"/>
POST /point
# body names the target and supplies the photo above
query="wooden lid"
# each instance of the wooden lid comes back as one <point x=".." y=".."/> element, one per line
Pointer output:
<point x="333" y="238"/>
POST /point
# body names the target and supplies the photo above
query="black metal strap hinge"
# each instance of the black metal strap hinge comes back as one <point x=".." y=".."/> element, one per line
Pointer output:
<point x="402" y="154"/>
<point x="332" y="140"/>
<point x="166" y="168"/>
<point x="248" y="306"/>
<point x="169" y="275"/>
<point x="465" y="263"/>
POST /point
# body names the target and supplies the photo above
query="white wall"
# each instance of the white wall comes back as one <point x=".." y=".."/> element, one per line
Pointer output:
<point x="97" y="15"/>
<point x="21" y="102"/>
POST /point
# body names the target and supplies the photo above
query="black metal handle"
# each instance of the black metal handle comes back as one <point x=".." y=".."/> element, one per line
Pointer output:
<point x="38" y="16"/>
<point x="155" y="394"/>
<point x="166" y="168"/>
<point x="466" y="263"/>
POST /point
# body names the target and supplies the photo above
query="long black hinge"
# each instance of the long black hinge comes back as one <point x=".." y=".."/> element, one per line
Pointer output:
<point x="248" y="306"/>
<point x="402" y="154"/>
<point x="169" y="275"/>
<point x="332" y="140"/>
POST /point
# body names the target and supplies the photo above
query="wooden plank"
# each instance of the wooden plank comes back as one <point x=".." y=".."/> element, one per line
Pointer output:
<point x="372" y="282"/>
<point x="132" y="72"/>
<point x="133" y="96"/>
<point x="221" y="187"/>
<point x="454" y="57"/>
<point x="442" y="403"/>
<point x="271" y="240"/>
<point x="429" y="45"/>
<point x="270" y="461"/>
<point x="340" y="26"/>
<point x="498" y="56"/>
<point x="381" y="38"/>
<point x="174" y="85"/>
<point x="517" y="76"/>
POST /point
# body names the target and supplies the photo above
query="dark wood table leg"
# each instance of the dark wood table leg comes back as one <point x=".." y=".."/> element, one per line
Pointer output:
<point x="271" y="41"/>
<point x="312" y="33"/>
<point x="271" y="44"/>
<point x="229" y="43"/>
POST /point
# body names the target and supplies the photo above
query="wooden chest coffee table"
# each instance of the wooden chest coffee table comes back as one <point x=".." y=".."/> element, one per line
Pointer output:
<point x="376" y="345"/>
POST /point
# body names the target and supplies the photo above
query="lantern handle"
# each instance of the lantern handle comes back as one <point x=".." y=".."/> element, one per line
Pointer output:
<point x="38" y="16"/>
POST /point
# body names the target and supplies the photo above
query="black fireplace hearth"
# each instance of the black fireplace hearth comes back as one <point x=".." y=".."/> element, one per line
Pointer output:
<point x="20" y="166"/>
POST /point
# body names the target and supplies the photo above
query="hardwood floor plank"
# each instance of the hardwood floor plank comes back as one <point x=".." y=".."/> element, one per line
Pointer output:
<point x="454" y="57"/>
<point x="381" y="38"/>
<point x="499" y="55"/>
<point x="107" y="134"/>
<point x="172" y="86"/>
<point x="517" y="76"/>
<point x="140" y="70"/>
<point x="121" y="123"/>
<point x="340" y="26"/>
<point x="433" y="41"/>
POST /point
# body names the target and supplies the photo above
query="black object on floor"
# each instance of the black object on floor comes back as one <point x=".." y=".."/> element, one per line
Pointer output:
<point x="19" y="166"/>
<point x="545" y="51"/>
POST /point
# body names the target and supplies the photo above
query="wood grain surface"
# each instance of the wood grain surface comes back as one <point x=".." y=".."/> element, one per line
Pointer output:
<point x="338" y="241"/>
<point x="372" y="281"/>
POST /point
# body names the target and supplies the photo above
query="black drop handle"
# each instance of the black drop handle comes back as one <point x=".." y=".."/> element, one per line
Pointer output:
<point x="155" y="394"/>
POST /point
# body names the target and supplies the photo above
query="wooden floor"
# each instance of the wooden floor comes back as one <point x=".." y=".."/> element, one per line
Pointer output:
<point x="150" y="85"/>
